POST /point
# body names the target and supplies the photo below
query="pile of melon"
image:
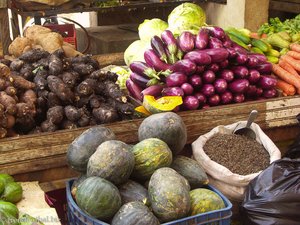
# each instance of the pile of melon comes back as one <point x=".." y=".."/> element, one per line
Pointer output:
<point x="147" y="183"/>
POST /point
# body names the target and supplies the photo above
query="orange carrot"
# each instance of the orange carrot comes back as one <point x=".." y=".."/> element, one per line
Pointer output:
<point x="293" y="62"/>
<point x="285" y="65"/>
<point x="295" y="47"/>
<point x="287" y="88"/>
<point x="254" y="35"/>
<point x="294" y="54"/>
<point x="286" y="76"/>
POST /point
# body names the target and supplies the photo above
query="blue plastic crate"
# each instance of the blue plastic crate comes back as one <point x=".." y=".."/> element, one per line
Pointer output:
<point x="217" y="217"/>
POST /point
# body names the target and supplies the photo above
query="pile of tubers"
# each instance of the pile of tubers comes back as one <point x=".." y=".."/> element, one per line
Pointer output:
<point x="43" y="92"/>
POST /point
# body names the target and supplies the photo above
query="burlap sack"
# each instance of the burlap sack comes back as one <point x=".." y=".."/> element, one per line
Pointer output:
<point x="230" y="184"/>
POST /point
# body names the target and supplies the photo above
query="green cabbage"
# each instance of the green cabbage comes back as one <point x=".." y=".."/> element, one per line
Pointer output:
<point x="152" y="27"/>
<point x="123" y="75"/>
<point x="187" y="16"/>
<point x="135" y="51"/>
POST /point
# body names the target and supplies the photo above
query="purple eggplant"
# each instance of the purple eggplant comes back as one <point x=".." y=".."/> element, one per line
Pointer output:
<point x="172" y="58"/>
<point x="208" y="77"/>
<point x="214" y="100"/>
<point x="158" y="46"/>
<point x="190" y="102"/>
<point x="227" y="43"/>
<point x="142" y="81"/>
<point x="208" y="90"/>
<point x="217" y="54"/>
<point x="253" y="61"/>
<point x="134" y="90"/>
<point x="238" y="98"/>
<point x="154" y="90"/>
<point x="226" y="97"/>
<point x="254" y="76"/>
<point x="170" y="42"/>
<point x="239" y="86"/>
<point x="264" y="68"/>
<point x="213" y="67"/>
<point x="202" y="39"/>
<point x="185" y="66"/>
<point x="227" y="75"/>
<point x="176" y="79"/>
<point x="241" y="58"/>
<point x="217" y="32"/>
<point x="143" y="69"/>
<point x="186" y="41"/>
<point x="224" y="64"/>
<point x="201" y="98"/>
<point x="195" y="80"/>
<point x="267" y="82"/>
<point x="220" y="86"/>
<point x="251" y="91"/>
<point x="154" y="61"/>
<point x="198" y="57"/>
<point x="259" y="91"/>
<point x="215" y="43"/>
<point x="172" y="91"/>
<point x="187" y="88"/>
<point x="240" y="71"/>
<point x="239" y="48"/>
<point x="232" y="53"/>
<point x="260" y="57"/>
<point x="270" y="93"/>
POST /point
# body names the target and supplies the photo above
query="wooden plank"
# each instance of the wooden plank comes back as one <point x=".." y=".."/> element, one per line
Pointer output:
<point x="293" y="7"/>
<point x="4" y="30"/>
<point x="110" y="59"/>
<point x="31" y="153"/>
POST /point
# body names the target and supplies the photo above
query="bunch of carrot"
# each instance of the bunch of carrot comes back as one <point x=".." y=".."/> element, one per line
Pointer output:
<point x="288" y="71"/>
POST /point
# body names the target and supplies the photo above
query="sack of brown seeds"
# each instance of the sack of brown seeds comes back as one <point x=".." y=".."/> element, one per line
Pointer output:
<point x="232" y="161"/>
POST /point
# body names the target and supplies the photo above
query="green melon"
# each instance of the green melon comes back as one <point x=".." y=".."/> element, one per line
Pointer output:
<point x="12" y="192"/>
<point x="169" y="195"/>
<point x="134" y="213"/>
<point x="113" y="161"/>
<point x="76" y="183"/>
<point x="98" y="198"/>
<point x="5" y="178"/>
<point x="191" y="170"/>
<point x="7" y="219"/>
<point x="2" y="187"/>
<point x="10" y="208"/>
<point x="205" y="200"/>
<point x="150" y="154"/>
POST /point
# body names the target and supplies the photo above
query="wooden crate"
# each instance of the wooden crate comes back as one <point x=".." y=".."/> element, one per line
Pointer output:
<point x="42" y="157"/>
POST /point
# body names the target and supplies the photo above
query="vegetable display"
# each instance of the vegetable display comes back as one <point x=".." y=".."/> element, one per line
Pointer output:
<point x="159" y="180"/>
<point x="212" y="70"/>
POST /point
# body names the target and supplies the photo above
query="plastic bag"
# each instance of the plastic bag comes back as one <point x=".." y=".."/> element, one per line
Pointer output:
<point x="273" y="198"/>
<point x="232" y="185"/>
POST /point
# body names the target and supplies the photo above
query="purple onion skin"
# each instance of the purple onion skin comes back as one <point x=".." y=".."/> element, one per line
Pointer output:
<point x="158" y="46"/>
<point x="186" y="41"/>
<point x="239" y="98"/>
<point x="187" y="88"/>
<point x="190" y="103"/>
<point x="195" y="80"/>
<point x="264" y="68"/>
<point x="226" y="97"/>
<point x="218" y="33"/>
<point x="252" y="61"/>
<point x="202" y="39"/>
<point x="215" y="43"/>
<point x="267" y="82"/>
<point x="185" y="66"/>
<point x="154" y="90"/>
<point x="198" y="57"/>
<point x="214" y="67"/>
<point x="251" y="91"/>
<point x="259" y="91"/>
<point x="232" y="53"/>
<point x="176" y="79"/>
<point x="200" y="69"/>
<point x="260" y="57"/>
<point x="172" y="91"/>
<point x="241" y="59"/>
<point x="220" y="86"/>
<point x="134" y="90"/>
<point x="208" y="77"/>
<point x="208" y="90"/>
<point x="239" y="86"/>
<point x="217" y="54"/>
<point x="227" y="75"/>
<point x="224" y="64"/>
<point x="154" y="61"/>
<point x="169" y="39"/>
<point x="270" y="93"/>
<point x="254" y="76"/>
<point x="240" y="71"/>
<point x="214" y="100"/>
<point x="201" y="98"/>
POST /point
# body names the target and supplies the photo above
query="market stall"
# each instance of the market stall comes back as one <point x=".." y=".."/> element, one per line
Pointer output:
<point x="163" y="121"/>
